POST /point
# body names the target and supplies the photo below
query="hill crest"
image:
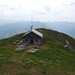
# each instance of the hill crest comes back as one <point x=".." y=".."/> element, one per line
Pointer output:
<point x="51" y="59"/>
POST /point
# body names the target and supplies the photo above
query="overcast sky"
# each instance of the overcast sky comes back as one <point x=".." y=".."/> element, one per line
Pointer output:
<point x="39" y="10"/>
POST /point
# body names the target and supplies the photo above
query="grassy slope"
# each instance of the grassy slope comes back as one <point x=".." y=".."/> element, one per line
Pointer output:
<point x="52" y="58"/>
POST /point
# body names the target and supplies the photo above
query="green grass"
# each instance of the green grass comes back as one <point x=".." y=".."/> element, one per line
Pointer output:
<point x="5" y="54"/>
<point x="58" y="57"/>
<point x="51" y="59"/>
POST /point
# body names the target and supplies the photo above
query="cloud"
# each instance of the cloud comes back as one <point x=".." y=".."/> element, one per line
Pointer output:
<point x="44" y="10"/>
<point x="73" y="3"/>
<point x="22" y="9"/>
<point x="38" y="12"/>
<point x="43" y="13"/>
<point x="69" y="4"/>
<point x="13" y="8"/>
<point x="1" y="5"/>
<point x="47" y="8"/>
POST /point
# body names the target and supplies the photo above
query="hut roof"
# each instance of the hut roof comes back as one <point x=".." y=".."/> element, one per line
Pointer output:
<point x="34" y="31"/>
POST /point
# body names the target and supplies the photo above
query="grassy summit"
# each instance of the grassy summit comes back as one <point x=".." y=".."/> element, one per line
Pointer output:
<point x="51" y="59"/>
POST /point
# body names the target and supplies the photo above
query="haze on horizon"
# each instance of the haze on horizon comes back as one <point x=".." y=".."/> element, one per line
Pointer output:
<point x="39" y="10"/>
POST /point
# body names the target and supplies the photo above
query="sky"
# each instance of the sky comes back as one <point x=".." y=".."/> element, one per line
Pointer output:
<point x="38" y="10"/>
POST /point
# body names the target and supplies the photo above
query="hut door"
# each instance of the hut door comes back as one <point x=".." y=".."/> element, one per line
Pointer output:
<point x="31" y="41"/>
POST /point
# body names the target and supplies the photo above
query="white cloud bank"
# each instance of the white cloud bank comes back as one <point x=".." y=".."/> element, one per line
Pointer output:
<point x="40" y="10"/>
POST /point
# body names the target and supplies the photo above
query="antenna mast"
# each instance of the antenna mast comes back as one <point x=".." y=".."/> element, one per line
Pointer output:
<point x="31" y="23"/>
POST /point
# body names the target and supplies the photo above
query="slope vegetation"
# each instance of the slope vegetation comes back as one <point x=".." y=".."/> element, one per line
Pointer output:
<point x="51" y="59"/>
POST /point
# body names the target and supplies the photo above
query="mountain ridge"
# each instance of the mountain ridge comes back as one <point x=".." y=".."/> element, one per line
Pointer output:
<point x="11" y="29"/>
<point x="51" y="59"/>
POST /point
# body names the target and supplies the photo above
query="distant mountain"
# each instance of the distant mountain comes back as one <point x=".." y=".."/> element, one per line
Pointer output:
<point x="65" y="27"/>
<point x="10" y="29"/>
